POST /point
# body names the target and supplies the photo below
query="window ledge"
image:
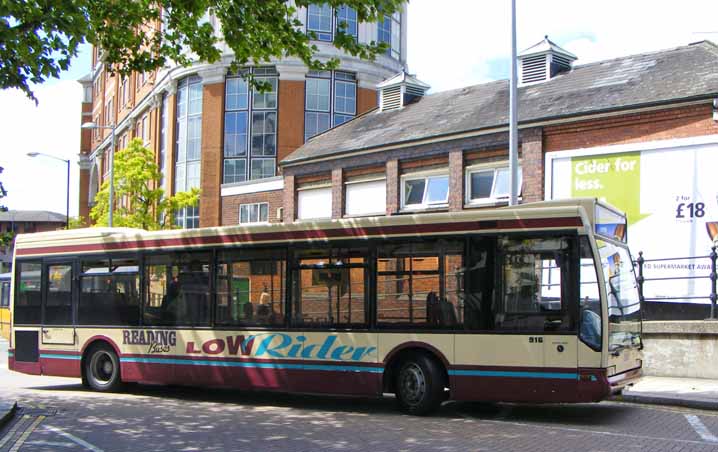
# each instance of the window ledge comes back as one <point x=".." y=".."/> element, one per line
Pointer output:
<point x="365" y="215"/>
<point x="488" y="203"/>
<point x="422" y="209"/>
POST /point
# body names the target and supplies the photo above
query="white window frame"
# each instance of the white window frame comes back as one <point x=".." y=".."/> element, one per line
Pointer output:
<point x="378" y="211"/>
<point x="259" y="213"/>
<point x="492" y="199"/>
<point x="323" y="187"/>
<point x="426" y="175"/>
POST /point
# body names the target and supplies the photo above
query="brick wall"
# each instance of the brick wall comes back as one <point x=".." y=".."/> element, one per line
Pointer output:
<point x="212" y="120"/>
<point x="291" y="117"/>
<point x="658" y="125"/>
<point x="531" y="163"/>
<point x="230" y="205"/>
<point x="366" y="100"/>
<point x="337" y="193"/>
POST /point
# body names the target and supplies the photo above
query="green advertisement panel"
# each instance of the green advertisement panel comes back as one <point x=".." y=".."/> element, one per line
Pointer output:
<point x="615" y="178"/>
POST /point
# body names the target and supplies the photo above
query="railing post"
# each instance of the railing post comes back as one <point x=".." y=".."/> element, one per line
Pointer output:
<point x="714" y="277"/>
<point x="640" y="261"/>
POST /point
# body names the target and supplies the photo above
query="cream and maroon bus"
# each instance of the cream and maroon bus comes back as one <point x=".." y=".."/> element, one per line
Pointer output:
<point x="535" y="303"/>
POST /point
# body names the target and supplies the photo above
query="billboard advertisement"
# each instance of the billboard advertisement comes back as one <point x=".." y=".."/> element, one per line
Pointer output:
<point x="669" y="191"/>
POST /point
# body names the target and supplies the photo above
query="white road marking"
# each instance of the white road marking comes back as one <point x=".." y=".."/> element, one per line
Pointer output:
<point x="587" y="431"/>
<point x="700" y="428"/>
<point x="40" y="442"/>
<point x="74" y="439"/>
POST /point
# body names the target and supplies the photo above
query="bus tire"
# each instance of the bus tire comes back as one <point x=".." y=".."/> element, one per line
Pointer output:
<point x="419" y="385"/>
<point x="102" y="369"/>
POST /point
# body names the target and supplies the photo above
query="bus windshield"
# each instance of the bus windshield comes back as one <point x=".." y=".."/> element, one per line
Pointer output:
<point x="624" y="305"/>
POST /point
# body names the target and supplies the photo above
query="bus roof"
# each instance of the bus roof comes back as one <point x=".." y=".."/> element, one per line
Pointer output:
<point x="547" y="215"/>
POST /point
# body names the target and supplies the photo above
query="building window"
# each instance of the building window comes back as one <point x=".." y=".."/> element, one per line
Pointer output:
<point x="331" y="99"/>
<point x="365" y="197"/>
<point x="425" y="191"/>
<point x="96" y="131"/>
<point x="488" y="183"/>
<point x="314" y="203"/>
<point x="109" y="113"/>
<point x="145" y="129"/>
<point x="164" y="126"/>
<point x="319" y="21"/>
<point x="188" y="145"/>
<point x="125" y="92"/>
<point x="389" y="31"/>
<point x="254" y="213"/>
<point x="347" y="21"/>
<point x="258" y="136"/>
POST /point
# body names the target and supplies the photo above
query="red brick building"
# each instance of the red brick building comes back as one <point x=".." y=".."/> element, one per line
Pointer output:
<point x="448" y="151"/>
<point x="25" y="222"/>
<point x="209" y="130"/>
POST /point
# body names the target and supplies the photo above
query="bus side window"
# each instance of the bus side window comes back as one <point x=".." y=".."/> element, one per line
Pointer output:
<point x="28" y="297"/>
<point x="480" y="284"/>
<point x="589" y="300"/>
<point x="534" y="294"/>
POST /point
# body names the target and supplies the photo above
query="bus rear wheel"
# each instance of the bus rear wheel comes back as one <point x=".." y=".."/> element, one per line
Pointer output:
<point x="102" y="369"/>
<point x="419" y="385"/>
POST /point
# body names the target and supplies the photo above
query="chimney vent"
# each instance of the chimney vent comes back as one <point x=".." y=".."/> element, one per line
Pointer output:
<point x="543" y="61"/>
<point x="401" y="90"/>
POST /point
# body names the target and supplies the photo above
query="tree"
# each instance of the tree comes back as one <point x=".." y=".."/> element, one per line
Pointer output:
<point x="139" y="202"/>
<point x="5" y="237"/>
<point x="39" y="38"/>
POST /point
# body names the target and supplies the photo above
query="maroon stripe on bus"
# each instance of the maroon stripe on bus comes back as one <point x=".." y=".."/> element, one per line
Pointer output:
<point x="251" y="359"/>
<point x="314" y="234"/>
<point x="59" y="352"/>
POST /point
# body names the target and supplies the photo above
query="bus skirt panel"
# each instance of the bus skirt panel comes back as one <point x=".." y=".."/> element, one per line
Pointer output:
<point x="526" y="384"/>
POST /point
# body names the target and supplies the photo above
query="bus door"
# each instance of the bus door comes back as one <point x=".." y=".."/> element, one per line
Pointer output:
<point x="539" y="299"/>
<point x="559" y="301"/>
<point x="58" y="300"/>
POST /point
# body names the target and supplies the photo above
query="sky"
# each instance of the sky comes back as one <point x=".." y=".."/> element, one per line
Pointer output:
<point x="451" y="43"/>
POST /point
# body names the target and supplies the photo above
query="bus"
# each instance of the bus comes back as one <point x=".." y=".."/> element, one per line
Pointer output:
<point x="532" y="303"/>
<point x="5" y="305"/>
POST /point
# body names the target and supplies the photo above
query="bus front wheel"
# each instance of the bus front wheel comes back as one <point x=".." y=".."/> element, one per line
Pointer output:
<point x="102" y="369"/>
<point x="419" y="385"/>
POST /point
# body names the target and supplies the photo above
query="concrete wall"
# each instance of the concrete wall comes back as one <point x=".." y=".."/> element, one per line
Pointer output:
<point x="681" y="348"/>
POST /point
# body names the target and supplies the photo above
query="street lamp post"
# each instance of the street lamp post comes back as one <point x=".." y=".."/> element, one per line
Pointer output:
<point x="92" y="125"/>
<point x="513" y="116"/>
<point x="67" y="200"/>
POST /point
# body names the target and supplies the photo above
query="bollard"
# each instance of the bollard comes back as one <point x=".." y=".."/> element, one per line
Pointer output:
<point x="713" y="277"/>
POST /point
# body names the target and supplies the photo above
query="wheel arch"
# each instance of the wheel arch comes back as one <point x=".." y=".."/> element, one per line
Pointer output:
<point x="398" y="354"/>
<point x="91" y="342"/>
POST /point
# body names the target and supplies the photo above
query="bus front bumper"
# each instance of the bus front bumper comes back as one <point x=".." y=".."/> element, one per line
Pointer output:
<point x="618" y="382"/>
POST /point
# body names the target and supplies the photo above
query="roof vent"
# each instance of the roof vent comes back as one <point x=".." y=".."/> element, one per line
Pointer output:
<point x="401" y="90"/>
<point x="543" y="61"/>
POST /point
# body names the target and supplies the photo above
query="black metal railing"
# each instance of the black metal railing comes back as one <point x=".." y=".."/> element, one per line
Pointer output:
<point x="643" y="280"/>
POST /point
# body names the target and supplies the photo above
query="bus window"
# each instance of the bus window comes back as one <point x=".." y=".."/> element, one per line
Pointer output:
<point x="109" y="293"/>
<point x="329" y="288"/>
<point x="589" y="299"/>
<point x="5" y="294"/>
<point x="420" y="283"/>
<point x="58" y="304"/>
<point x="28" y="298"/>
<point x="533" y="297"/>
<point x="478" y="314"/>
<point x="624" y="304"/>
<point x="250" y="288"/>
<point x="177" y="289"/>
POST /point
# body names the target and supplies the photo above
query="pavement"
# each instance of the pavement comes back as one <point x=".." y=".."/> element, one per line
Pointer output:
<point x="685" y="392"/>
<point x="7" y="407"/>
